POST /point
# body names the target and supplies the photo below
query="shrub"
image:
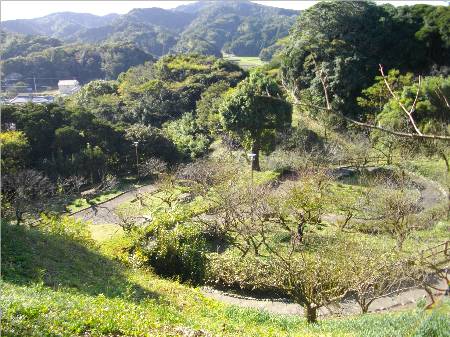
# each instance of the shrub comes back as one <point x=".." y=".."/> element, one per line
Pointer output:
<point x="187" y="137"/>
<point x="178" y="251"/>
<point x="67" y="227"/>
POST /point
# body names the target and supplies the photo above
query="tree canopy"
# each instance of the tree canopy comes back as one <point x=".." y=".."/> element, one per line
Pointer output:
<point x="345" y="42"/>
<point x="254" y="111"/>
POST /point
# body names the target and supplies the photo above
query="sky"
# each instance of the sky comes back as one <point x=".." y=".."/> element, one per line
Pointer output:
<point x="11" y="10"/>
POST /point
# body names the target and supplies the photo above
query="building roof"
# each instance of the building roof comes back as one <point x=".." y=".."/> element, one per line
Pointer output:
<point x="68" y="82"/>
<point x="22" y="99"/>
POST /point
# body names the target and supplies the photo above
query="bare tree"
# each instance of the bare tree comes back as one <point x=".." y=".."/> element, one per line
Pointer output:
<point x="25" y="193"/>
<point x="152" y="167"/>
<point x="313" y="280"/>
<point x="429" y="266"/>
<point x="394" y="211"/>
<point x="376" y="274"/>
<point x="242" y="213"/>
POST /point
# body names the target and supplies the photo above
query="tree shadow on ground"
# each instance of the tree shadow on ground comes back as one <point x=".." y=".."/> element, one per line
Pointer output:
<point x="33" y="256"/>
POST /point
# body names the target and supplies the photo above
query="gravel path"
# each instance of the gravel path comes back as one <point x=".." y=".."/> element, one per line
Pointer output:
<point x="104" y="213"/>
<point x="403" y="300"/>
<point x="430" y="192"/>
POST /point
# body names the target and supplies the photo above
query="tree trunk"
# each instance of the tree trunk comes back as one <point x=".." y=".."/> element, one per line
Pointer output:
<point x="300" y="232"/>
<point x="447" y="180"/>
<point x="311" y="314"/>
<point x="399" y="243"/>
<point x="365" y="308"/>
<point x="255" y="150"/>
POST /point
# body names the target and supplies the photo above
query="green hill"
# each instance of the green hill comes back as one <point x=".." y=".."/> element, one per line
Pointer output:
<point x="240" y="27"/>
<point x="58" y="282"/>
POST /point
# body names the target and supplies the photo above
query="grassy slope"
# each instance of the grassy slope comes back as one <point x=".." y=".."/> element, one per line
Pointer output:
<point x="245" y="62"/>
<point x="55" y="286"/>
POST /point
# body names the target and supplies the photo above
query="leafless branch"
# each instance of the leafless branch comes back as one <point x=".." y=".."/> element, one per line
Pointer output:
<point x="416" y="135"/>
<point x="413" y="107"/>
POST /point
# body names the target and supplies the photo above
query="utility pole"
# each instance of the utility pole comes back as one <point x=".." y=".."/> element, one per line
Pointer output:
<point x="252" y="158"/>
<point x="137" y="159"/>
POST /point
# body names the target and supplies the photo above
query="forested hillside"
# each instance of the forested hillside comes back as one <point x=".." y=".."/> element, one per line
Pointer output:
<point x="57" y="25"/>
<point x="238" y="27"/>
<point x="84" y="62"/>
<point x="12" y="44"/>
<point x="182" y="195"/>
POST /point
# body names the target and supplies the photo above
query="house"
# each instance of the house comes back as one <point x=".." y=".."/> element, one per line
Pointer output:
<point x="68" y="87"/>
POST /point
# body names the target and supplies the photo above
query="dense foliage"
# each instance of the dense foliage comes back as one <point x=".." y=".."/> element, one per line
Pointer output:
<point x="13" y="45"/>
<point x="354" y="38"/>
<point x="93" y="132"/>
<point x="240" y="27"/>
<point x="82" y="62"/>
<point x="255" y="111"/>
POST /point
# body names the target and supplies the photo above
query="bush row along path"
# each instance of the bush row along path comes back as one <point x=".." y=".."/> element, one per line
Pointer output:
<point x="430" y="195"/>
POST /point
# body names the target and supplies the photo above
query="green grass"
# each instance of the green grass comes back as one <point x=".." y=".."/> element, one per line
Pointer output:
<point x="55" y="286"/>
<point x="81" y="203"/>
<point x="433" y="169"/>
<point x="245" y="62"/>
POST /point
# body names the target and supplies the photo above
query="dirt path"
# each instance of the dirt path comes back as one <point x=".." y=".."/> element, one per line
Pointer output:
<point x="104" y="213"/>
<point x="431" y="193"/>
<point x="430" y="196"/>
<point x="403" y="300"/>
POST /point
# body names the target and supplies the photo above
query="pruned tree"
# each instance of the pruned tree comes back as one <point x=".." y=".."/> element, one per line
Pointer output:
<point x="393" y="210"/>
<point x="312" y="280"/>
<point x="301" y="205"/>
<point x="348" y="206"/>
<point x="242" y="214"/>
<point x="429" y="266"/>
<point x="202" y="175"/>
<point x="25" y="192"/>
<point x="375" y="274"/>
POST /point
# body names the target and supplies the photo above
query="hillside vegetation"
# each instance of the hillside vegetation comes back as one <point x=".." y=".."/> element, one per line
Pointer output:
<point x="320" y="177"/>
<point x="240" y="27"/>
<point x="46" y="268"/>
<point x="83" y="62"/>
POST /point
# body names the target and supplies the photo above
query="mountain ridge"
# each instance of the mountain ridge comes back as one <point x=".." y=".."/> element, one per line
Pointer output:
<point x="202" y="27"/>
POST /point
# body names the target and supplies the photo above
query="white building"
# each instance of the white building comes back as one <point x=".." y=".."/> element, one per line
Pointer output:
<point x="68" y="87"/>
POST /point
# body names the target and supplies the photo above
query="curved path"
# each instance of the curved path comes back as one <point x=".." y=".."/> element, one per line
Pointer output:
<point x="104" y="213"/>
<point x="402" y="300"/>
<point x="430" y="193"/>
